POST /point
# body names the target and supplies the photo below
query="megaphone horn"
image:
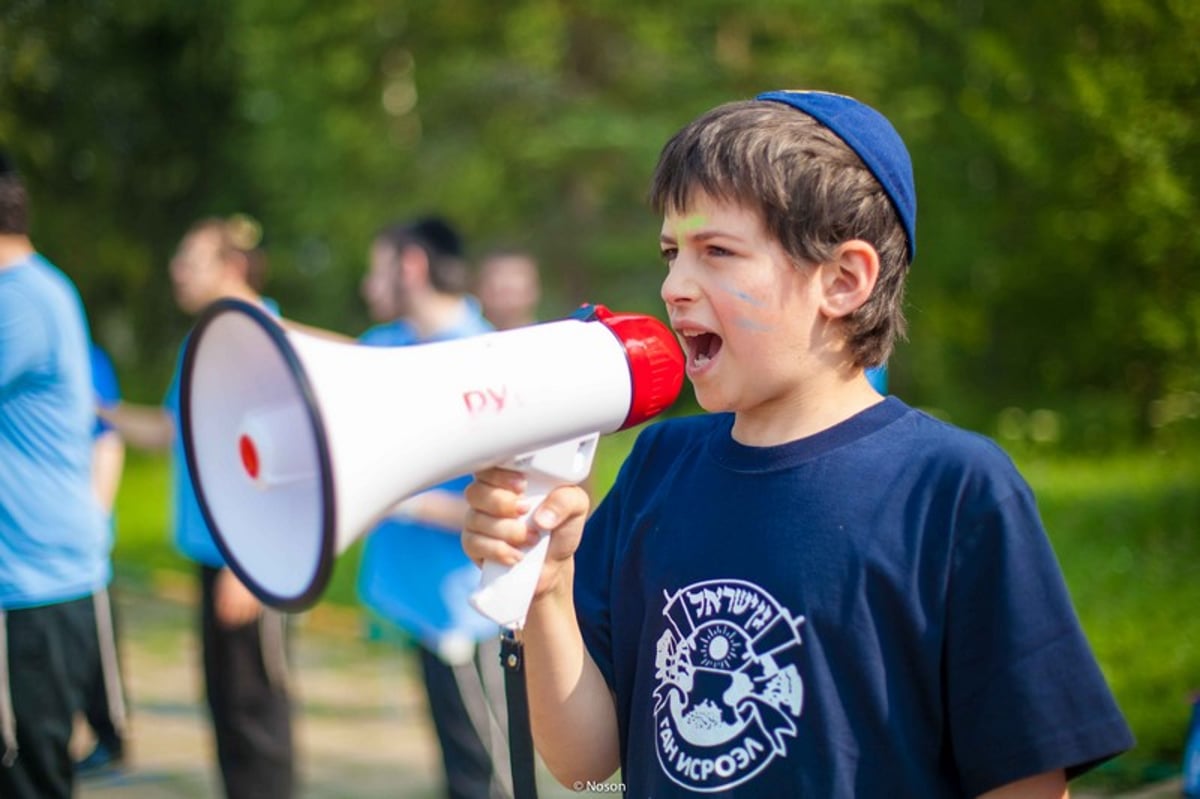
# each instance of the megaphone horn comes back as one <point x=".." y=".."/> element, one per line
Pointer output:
<point x="297" y="444"/>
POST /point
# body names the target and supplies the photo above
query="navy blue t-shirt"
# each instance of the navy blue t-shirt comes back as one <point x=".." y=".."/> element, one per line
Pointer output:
<point x="874" y="610"/>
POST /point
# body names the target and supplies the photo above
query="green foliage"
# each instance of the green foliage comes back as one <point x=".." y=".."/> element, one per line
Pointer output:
<point x="143" y="542"/>
<point x="1127" y="533"/>
<point x="1067" y="141"/>
<point x="1055" y="151"/>
<point x="119" y="114"/>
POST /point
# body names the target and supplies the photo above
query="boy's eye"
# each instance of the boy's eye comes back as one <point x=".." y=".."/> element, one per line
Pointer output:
<point x="668" y="254"/>
<point x="718" y="251"/>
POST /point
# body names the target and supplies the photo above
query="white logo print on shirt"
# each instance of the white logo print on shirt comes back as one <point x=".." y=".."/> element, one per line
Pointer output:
<point x="722" y="705"/>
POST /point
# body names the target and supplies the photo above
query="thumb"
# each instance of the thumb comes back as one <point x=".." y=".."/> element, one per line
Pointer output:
<point x="561" y="505"/>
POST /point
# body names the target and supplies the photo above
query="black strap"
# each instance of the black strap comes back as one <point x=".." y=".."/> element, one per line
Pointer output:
<point x="520" y="739"/>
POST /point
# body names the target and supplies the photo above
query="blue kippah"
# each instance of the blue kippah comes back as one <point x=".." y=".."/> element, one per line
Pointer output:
<point x="868" y="133"/>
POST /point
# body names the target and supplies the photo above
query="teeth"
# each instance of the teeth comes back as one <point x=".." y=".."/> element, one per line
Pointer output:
<point x="698" y="352"/>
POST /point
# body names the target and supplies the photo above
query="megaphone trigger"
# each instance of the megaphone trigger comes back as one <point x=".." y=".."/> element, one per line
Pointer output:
<point x="505" y="592"/>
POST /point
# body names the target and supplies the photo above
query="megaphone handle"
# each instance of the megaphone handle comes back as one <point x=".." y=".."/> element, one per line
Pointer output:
<point x="505" y="592"/>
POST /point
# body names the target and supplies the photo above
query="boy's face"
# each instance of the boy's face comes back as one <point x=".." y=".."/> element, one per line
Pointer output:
<point x="746" y="316"/>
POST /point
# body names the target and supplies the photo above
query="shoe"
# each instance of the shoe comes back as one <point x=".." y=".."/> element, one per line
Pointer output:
<point x="104" y="759"/>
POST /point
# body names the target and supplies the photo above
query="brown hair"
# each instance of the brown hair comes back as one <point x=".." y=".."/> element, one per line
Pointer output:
<point x="812" y="192"/>
<point x="14" y="206"/>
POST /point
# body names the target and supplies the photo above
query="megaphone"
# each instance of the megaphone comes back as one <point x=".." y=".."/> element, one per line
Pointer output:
<point x="298" y="444"/>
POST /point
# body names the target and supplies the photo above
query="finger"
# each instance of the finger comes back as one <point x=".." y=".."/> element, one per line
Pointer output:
<point x="481" y="548"/>
<point x="513" y="530"/>
<point x="506" y="479"/>
<point x="500" y="502"/>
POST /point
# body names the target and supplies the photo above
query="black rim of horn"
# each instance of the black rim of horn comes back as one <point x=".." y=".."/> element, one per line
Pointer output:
<point x="272" y="328"/>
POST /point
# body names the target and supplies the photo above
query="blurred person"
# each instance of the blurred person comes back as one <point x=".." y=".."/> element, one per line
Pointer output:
<point x="106" y="709"/>
<point x="509" y="288"/>
<point x="53" y="544"/>
<point x="414" y="573"/>
<point x="242" y="642"/>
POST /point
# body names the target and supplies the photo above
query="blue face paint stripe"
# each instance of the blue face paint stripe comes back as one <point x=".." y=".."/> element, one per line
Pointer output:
<point x="750" y="324"/>
<point x="741" y="295"/>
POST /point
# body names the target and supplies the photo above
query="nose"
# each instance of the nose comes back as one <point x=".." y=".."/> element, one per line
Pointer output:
<point x="679" y="287"/>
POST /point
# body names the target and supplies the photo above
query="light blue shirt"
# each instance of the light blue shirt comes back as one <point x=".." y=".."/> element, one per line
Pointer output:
<point x="53" y="536"/>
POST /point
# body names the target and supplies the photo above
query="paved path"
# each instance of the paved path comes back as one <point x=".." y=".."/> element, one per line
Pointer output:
<point x="362" y="730"/>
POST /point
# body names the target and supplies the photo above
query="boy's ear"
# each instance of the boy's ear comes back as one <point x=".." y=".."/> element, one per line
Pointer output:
<point x="848" y="278"/>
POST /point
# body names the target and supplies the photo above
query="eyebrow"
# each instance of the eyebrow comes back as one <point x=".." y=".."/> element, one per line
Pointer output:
<point x="701" y="236"/>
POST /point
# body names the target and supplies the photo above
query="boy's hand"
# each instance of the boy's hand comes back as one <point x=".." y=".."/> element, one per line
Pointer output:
<point x="495" y="530"/>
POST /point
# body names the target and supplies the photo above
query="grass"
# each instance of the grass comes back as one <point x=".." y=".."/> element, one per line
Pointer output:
<point x="1126" y="530"/>
<point x="1127" y="533"/>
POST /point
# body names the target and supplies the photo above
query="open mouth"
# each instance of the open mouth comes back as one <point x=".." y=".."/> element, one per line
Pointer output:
<point x="701" y="348"/>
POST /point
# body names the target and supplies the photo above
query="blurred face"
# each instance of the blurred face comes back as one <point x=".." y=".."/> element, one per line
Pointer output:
<point x="746" y="316"/>
<point x="509" y="290"/>
<point x="198" y="274"/>
<point x="379" y="284"/>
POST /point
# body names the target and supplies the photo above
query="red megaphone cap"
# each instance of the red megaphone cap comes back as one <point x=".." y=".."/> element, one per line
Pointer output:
<point x="655" y="361"/>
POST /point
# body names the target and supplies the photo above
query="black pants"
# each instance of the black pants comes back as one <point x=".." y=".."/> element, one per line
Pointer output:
<point x="245" y="684"/>
<point x="51" y="653"/>
<point x="470" y="768"/>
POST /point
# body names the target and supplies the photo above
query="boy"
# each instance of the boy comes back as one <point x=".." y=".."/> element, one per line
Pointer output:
<point x="813" y="590"/>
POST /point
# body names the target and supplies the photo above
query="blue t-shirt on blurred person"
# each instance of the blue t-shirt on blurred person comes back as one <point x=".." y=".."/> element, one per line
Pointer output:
<point x="877" y="376"/>
<point x="104" y="382"/>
